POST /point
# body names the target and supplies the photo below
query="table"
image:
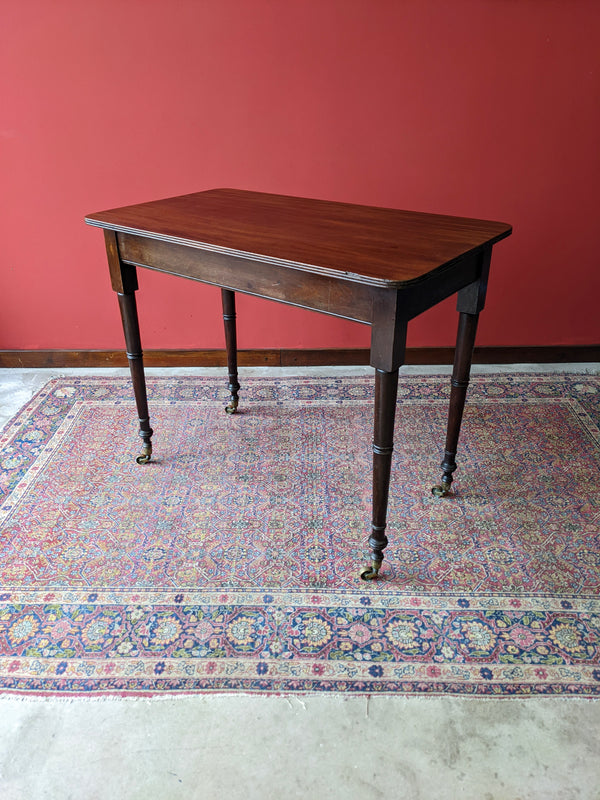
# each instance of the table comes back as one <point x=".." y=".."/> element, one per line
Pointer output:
<point x="377" y="266"/>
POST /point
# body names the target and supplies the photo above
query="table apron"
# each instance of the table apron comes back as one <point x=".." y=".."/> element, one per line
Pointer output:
<point x="334" y="296"/>
<point x="337" y="297"/>
<point x="442" y="283"/>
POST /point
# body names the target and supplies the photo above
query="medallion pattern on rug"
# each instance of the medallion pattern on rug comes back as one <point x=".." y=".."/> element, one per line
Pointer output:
<point x="230" y="562"/>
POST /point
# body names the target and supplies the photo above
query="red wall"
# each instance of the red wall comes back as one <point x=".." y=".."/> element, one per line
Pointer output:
<point x="486" y="108"/>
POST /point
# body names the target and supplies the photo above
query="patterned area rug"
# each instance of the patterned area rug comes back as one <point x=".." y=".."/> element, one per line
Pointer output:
<point x="230" y="563"/>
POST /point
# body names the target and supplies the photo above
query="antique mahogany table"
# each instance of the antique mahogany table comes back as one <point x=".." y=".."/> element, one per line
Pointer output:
<point x="377" y="266"/>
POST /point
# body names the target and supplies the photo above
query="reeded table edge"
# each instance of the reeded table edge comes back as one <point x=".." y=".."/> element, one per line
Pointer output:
<point x="297" y="265"/>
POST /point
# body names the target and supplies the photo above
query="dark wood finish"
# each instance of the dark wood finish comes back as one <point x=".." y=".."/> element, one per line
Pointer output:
<point x="228" y="299"/>
<point x="388" y="332"/>
<point x="301" y="357"/>
<point x="325" y="358"/>
<point x="465" y="339"/>
<point x="386" y="389"/>
<point x="341" y="298"/>
<point x="123" y="277"/>
<point x="131" y="330"/>
<point x="469" y="303"/>
<point x="124" y="281"/>
<point x="377" y="246"/>
<point x="377" y="266"/>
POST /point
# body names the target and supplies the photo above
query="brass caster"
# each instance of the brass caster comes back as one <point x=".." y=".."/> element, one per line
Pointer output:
<point x="231" y="407"/>
<point x="369" y="572"/>
<point x="442" y="490"/>
<point x="146" y="455"/>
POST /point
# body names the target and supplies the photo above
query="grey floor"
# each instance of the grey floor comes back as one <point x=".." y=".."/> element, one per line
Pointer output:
<point x="294" y="747"/>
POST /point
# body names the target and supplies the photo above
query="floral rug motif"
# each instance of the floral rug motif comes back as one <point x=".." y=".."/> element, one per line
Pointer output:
<point x="230" y="562"/>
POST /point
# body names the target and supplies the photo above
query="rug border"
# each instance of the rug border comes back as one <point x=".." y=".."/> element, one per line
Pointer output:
<point x="406" y="688"/>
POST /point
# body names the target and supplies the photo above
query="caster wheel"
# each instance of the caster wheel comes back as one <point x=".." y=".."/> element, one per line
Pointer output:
<point x="146" y="454"/>
<point x="443" y="490"/>
<point x="369" y="572"/>
<point x="231" y="408"/>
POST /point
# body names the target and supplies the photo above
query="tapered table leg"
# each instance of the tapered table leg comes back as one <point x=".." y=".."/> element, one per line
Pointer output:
<point x="465" y="342"/>
<point x="131" y="329"/>
<point x="386" y="390"/>
<point x="229" y="320"/>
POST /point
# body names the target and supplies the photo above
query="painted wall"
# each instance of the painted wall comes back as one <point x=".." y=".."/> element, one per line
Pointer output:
<point x="487" y="108"/>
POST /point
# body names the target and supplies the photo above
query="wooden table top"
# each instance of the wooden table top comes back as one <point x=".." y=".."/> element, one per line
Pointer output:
<point x="375" y="246"/>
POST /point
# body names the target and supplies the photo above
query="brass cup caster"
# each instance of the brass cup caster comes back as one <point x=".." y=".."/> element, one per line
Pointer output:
<point x="146" y="454"/>
<point x="231" y="407"/>
<point x="370" y="571"/>
<point x="441" y="490"/>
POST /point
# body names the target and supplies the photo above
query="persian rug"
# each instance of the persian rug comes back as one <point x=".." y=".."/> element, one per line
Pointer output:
<point x="230" y="562"/>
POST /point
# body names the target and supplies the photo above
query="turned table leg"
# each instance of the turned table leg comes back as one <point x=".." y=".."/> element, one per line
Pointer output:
<point x="465" y="341"/>
<point x="470" y="302"/>
<point x="131" y="329"/>
<point x="123" y="278"/>
<point x="386" y="389"/>
<point x="229" y="320"/>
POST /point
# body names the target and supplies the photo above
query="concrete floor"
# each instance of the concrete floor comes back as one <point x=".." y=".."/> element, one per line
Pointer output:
<point x="285" y="747"/>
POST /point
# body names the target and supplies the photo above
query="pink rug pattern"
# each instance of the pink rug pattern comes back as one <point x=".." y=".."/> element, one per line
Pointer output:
<point x="230" y="562"/>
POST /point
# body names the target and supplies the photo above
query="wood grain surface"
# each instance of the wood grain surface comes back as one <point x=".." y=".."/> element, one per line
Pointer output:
<point x="378" y="246"/>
